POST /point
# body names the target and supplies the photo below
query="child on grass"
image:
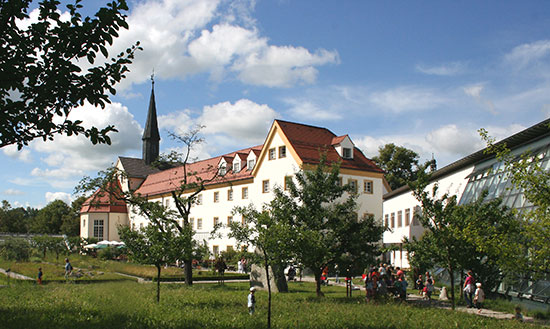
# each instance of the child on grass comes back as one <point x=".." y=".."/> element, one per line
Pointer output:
<point x="518" y="316"/>
<point x="479" y="297"/>
<point x="39" y="275"/>
<point x="251" y="301"/>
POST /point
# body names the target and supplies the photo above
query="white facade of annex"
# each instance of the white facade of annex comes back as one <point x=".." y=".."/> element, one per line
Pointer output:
<point x="399" y="213"/>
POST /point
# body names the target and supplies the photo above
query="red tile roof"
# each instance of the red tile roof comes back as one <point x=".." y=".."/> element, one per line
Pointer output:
<point x="102" y="202"/>
<point x="308" y="141"/>
<point x="168" y="180"/>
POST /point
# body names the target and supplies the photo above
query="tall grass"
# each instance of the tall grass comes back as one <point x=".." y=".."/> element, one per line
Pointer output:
<point x="132" y="305"/>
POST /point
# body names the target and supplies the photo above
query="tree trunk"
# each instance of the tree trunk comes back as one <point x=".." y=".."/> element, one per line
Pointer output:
<point x="452" y="276"/>
<point x="268" y="291"/>
<point x="158" y="283"/>
<point x="188" y="267"/>
<point x="318" y="283"/>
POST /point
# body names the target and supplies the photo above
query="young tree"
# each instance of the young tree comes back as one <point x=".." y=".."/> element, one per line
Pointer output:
<point x="42" y="82"/>
<point x="527" y="173"/>
<point x="186" y="190"/>
<point x="269" y="231"/>
<point x="323" y="215"/>
<point x="156" y="244"/>
<point x="481" y="236"/>
<point x="186" y="186"/>
<point x="400" y="164"/>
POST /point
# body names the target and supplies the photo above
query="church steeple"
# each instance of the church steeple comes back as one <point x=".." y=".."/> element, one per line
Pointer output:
<point x="151" y="136"/>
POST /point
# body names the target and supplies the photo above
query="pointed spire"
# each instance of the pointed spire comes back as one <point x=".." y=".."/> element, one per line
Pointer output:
<point x="151" y="136"/>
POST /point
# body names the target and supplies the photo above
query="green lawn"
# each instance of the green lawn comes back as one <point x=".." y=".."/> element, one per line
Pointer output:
<point x="132" y="305"/>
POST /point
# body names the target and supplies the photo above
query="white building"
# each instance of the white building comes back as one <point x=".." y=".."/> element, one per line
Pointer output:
<point x="465" y="178"/>
<point x="249" y="176"/>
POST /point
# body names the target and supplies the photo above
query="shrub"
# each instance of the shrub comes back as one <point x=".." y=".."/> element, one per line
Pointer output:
<point x="109" y="253"/>
<point x="15" y="249"/>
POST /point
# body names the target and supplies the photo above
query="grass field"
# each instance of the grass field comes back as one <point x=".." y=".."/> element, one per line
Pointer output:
<point x="132" y="305"/>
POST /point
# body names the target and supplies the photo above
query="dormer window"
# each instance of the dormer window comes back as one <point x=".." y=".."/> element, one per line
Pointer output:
<point x="346" y="153"/>
<point x="251" y="164"/>
<point x="222" y="170"/>
<point x="236" y="166"/>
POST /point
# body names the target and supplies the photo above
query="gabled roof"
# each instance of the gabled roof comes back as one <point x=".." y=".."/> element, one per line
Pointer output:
<point x="529" y="135"/>
<point x="102" y="202"/>
<point x="338" y="140"/>
<point x="136" y="168"/>
<point x="171" y="179"/>
<point x="308" y="141"/>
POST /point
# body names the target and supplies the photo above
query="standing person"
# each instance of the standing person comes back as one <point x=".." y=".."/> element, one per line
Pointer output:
<point x="337" y="272"/>
<point x="251" y="301"/>
<point x="240" y="268"/>
<point x="429" y="289"/>
<point x="479" y="297"/>
<point x="68" y="268"/>
<point x="469" y="289"/>
<point x="39" y="275"/>
<point x="403" y="284"/>
<point x="420" y="285"/>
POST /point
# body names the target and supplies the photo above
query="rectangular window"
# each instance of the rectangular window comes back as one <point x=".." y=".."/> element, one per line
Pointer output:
<point x="367" y="186"/>
<point x="167" y="203"/>
<point x="353" y="184"/>
<point x="392" y="220"/>
<point x="399" y="218"/>
<point x="346" y="153"/>
<point x="407" y="217"/>
<point x="229" y="195"/>
<point x="98" y="229"/>
<point x="229" y="248"/>
<point x="216" y="250"/>
<point x="229" y="220"/>
<point x="236" y="166"/>
<point x="216" y="220"/>
<point x="288" y="179"/>
<point x="199" y="199"/>
<point x="386" y="220"/>
<point x="222" y="170"/>
<point x="272" y="155"/>
<point x="282" y="152"/>
<point x="251" y="164"/>
<point x="265" y="186"/>
<point x="199" y="223"/>
<point x="245" y="193"/>
<point x="340" y="181"/>
<point x="83" y="223"/>
<point x="216" y="196"/>
<point x="192" y="222"/>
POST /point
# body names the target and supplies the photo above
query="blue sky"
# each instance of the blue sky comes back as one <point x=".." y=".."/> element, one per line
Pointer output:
<point x="422" y="74"/>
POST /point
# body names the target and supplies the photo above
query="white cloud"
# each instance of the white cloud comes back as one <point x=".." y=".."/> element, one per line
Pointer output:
<point x="12" y="192"/>
<point x="182" y="38"/>
<point x="474" y="91"/>
<point x="70" y="157"/>
<point x="404" y="99"/>
<point x="453" y="140"/>
<point x="527" y="53"/>
<point x="22" y="155"/>
<point x="52" y="196"/>
<point x="307" y="110"/>
<point x="448" y="69"/>
<point x="243" y="121"/>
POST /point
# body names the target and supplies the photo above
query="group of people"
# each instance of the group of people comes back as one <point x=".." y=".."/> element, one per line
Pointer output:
<point x="68" y="271"/>
<point x="425" y="286"/>
<point x="383" y="280"/>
